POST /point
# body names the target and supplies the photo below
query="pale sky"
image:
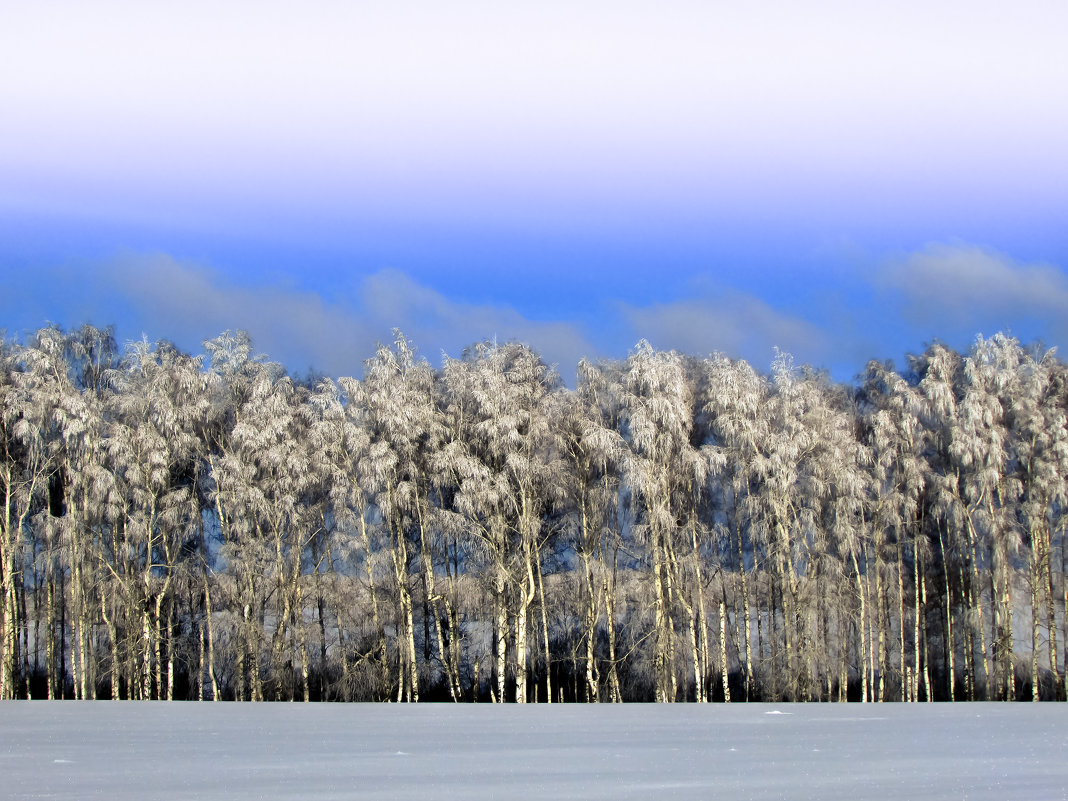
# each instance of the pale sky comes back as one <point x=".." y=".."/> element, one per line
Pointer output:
<point x="794" y="174"/>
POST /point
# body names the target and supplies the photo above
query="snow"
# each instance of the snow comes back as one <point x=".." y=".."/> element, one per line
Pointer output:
<point x="126" y="751"/>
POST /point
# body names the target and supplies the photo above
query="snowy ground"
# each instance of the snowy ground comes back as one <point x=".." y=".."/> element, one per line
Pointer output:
<point x="127" y="751"/>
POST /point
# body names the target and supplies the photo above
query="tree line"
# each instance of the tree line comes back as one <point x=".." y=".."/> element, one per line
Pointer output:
<point x="181" y="526"/>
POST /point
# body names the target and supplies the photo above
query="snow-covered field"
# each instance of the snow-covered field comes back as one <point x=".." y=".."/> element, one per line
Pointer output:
<point x="143" y="751"/>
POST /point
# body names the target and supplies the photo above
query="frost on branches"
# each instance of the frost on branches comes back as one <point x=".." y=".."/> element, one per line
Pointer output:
<point x="674" y="528"/>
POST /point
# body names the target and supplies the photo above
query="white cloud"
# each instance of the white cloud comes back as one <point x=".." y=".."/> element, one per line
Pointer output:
<point x="738" y="324"/>
<point x="428" y="318"/>
<point x="965" y="286"/>
<point x="945" y="291"/>
<point x="301" y="328"/>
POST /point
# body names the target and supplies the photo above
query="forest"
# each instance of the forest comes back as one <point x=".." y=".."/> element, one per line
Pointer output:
<point x="674" y="528"/>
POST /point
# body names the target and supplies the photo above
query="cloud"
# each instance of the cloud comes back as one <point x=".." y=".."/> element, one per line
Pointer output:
<point x="879" y="308"/>
<point x="189" y="303"/>
<point x="429" y="318"/>
<point x="302" y="328"/>
<point x="736" y="323"/>
<point x="334" y="331"/>
<point x="975" y="289"/>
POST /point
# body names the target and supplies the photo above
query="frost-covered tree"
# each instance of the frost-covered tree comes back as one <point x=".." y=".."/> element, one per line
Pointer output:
<point x="1038" y="423"/>
<point x="735" y="399"/>
<point x="805" y="514"/>
<point x="503" y="403"/>
<point x="593" y="451"/>
<point x="151" y="450"/>
<point x="401" y="415"/>
<point x="941" y="385"/>
<point x="982" y="453"/>
<point x="251" y="496"/>
<point x="896" y="439"/>
<point x="342" y="442"/>
<point x="663" y="469"/>
<point x="26" y="467"/>
<point x="70" y="373"/>
<point x="672" y="528"/>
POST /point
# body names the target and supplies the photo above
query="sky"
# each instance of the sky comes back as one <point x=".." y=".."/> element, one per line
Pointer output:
<point x="841" y="180"/>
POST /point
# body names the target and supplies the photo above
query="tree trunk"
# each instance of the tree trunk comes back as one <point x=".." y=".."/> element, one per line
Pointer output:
<point x="521" y="653"/>
<point x="526" y="598"/>
<point x="908" y="677"/>
<point x="79" y="653"/>
<point x="500" y="631"/>
<point x="209" y="626"/>
<point x="723" y="665"/>
<point x="609" y="589"/>
<point x="1036" y="580"/>
<point x="663" y="667"/>
<point x="545" y="634"/>
<point x="977" y="599"/>
<point x="863" y="628"/>
<point x="170" y="647"/>
<point x="113" y="636"/>
<point x="1006" y="637"/>
<point x="704" y="661"/>
<point x="7" y="579"/>
<point x="590" y="627"/>
<point x="1064" y="607"/>
<point x="950" y="644"/>
<point x="916" y="612"/>
<point x="743" y="574"/>
<point x="791" y="614"/>
<point x="692" y="613"/>
<point x="1051" y="611"/>
<point x="881" y="621"/>
<point x="376" y="618"/>
<point x="433" y="608"/>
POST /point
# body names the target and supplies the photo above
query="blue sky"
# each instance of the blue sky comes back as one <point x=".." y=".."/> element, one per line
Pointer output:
<point x="842" y="180"/>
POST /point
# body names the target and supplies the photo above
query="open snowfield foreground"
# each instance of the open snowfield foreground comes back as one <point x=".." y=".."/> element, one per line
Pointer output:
<point x="119" y="750"/>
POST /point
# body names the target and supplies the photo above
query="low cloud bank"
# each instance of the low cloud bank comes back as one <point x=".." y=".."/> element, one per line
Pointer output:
<point x="302" y="328"/>
<point x="972" y="288"/>
<point x="941" y="291"/>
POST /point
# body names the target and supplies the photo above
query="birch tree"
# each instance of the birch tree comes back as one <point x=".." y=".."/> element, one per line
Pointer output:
<point x="1039" y="435"/>
<point x="70" y="375"/>
<point x="940" y="373"/>
<point x="897" y="439"/>
<point x="980" y="452"/>
<point x="673" y="528"/>
<point x="504" y="400"/>
<point x="235" y="375"/>
<point x="735" y="400"/>
<point x="594" y="452"/>
<point x="343" y="442"/>
<point x="152" y="449"/>
<point x="26" y="465"/>
<point x="661" y="468"/>
<point x="405" y="426"/>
